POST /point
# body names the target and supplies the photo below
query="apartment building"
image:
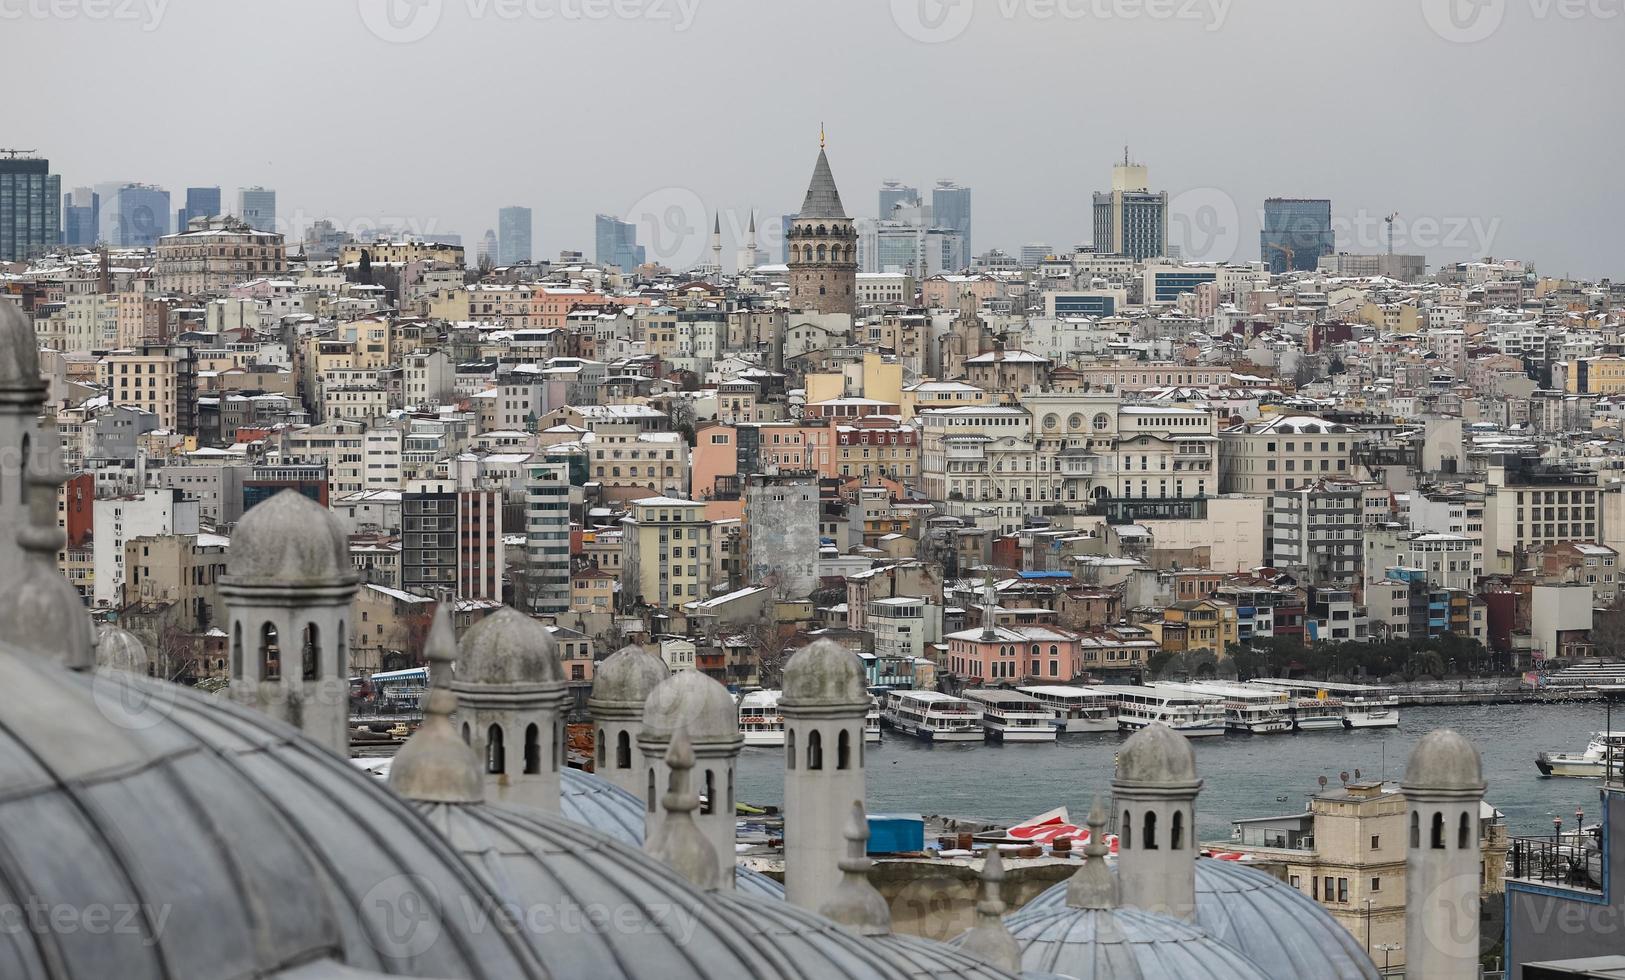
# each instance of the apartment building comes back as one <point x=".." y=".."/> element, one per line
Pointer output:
<point x="665" y="552"/>
<point x="1284" y="452"/>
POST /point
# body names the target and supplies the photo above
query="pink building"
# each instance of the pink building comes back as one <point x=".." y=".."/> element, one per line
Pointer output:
<point x="716" y="456"/>
<point x="1011" y="653"/>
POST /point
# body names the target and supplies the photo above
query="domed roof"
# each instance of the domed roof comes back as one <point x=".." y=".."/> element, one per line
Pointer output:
<point x="664" y="928"/>
<point x="824" y="673"/>
<point x="19" y="351"/>
<point x="1156" y="754"/>
<point x="1444" y="760"/>
<point x="1268" y="921"/>
<point x="508" y="647"/>
<point x="150" y="786"/>
<point x="1122" y="944"/>
<point x="118" y="649"/>
<point x="626" y="677"/>
<point x="690" y="698"/>
<point x="289" y="540"/>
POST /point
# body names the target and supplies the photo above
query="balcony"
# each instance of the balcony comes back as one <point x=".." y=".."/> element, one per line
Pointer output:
<point x="1561" y="864"/>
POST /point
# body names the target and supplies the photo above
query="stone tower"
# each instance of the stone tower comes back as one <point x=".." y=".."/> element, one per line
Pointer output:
<point x="823" y="248"/>
<point x="824" y="701"/>
<point x="620" y="686"/>
<point x="691" y="702"/>
<point x="1155" y="788"/>
<point x="1443" y="787"/>
<point x="287" y="592"/>
<point x="510" y="699"/>
<point x="22" y="393"/>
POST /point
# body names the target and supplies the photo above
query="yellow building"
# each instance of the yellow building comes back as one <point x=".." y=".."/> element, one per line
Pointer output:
<point x="665" y="552"/>
<point x="400" y="253"/>
<point x="372" y="339"/>
<point x="1603" y="375"/>
<point x="1198" y="624"/>
<point x="940" y="394"/>
<point x="156" y="378"/>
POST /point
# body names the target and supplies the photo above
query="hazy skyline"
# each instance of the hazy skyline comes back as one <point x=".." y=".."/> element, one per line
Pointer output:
<point x="433" y="114"/>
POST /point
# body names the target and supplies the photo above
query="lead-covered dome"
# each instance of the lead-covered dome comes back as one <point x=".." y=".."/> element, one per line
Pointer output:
<point x="1122" y="944"/>
<point x="1156" y="754"/>
<point x="626" y="677"/>
<point x="289" y="540"/>
<point x="508" y="647"/>
<point x="136" y="794"/>
<point x="1444" y="760"/>
<point x="1271" y="923"/>
<point x="119" y="649"/>
<point x="824" y="673"/>
<point x="689" y="698"/>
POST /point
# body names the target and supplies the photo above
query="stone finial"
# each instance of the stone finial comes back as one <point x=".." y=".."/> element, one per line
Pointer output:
<point x="436" y="765"/>
<point x="119" y="649"/>
<point x="856" y="903"/>
<point x="678" y="841"/>
<point x="989" y="940"/>
<point x="1092" y="886"/>
<point x="41" y="610"/>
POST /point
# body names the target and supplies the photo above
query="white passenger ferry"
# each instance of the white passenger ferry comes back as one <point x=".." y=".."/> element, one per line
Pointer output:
<point x="1076" y="709"/>
<point x="1604" y="753"/>
<point x="1011" y="716"/>
<point x="932" y="716"/>
<point x="1188" y="714"/>
<point x="871" y="721"/>
<point x="1247" y="710"/>
<point x="1353" y="705"/>
<point x="759" y="718"/>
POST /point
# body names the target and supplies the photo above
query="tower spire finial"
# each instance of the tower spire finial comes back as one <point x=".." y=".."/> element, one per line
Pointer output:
<point x="820" y="134"/>
<point x="1092" y="885"/>
<point x="678" y="840"/>
<point x="856" y="903"/>
<point x="436" y="765"/>
<point x="989" y="940"/>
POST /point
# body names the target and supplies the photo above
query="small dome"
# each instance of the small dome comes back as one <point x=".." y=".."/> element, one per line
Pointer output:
<point x="289" y="540"/>
<point x="19" y="350"/>
<point x="1122" y="944"/>
<point x="690" y="698"/>
<point x="626" y="677"/>
<point x="1444" y="760"/>
<point x="824" y="672"/>
<point x="508" y="647"/>
<point x="1268" y="921"/>
<point x="118" y="649"/>
<point x="1156" y="754"/>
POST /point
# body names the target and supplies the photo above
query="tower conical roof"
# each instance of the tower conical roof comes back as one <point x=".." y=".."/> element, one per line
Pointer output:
<point x="823" y="200"/>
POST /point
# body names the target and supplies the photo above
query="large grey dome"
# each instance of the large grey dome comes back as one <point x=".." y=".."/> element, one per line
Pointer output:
<point x="824" y="673"/>
<point x="626" y="677"/>
<point x="552" y="870"/>
<point x="690" y="698"/>
<point x="1122" y="944"/>
<point x="261" y="850"/>
<point x="1267" y="921"/>
<point x="508" y="647"/>
<point x="289" y="540"/>
<point x="1444" y="760"/>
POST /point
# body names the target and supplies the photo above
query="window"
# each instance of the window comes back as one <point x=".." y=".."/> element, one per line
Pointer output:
<point x="1342" y="889"/>
<point x="1150" y="830"/>
<point x="1436" y="838"/>
<point x="1376" y="842"/>
<point x="533" y="750"/>
<point x="495" y="756"/>
<point x="1376" y="884"/>
<point x="815" y="750"/>
<point x="270" y="654"/>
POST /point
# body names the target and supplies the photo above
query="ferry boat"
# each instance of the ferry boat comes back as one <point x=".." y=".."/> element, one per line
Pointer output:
<point x="871" y="721"/>
<point x="1606" y="751"/>
<point x="1011" y="716"/>
<point x="760" y="720"/>
<point x="1076" y="709"/>
<point x="932" y="716"/>
<point x="1192" y="715"/>
<point x="1354" y="705"/>
<point x="1247" y="710"/>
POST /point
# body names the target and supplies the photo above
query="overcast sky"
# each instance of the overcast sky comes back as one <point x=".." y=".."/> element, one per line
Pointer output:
<point x="1496" y="130"/>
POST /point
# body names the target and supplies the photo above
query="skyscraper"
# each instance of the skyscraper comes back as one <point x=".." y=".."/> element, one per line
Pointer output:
<point x="1297" y="232"/>
<point x="617" y="243"/>
<point x="1131" y="219"/>
<point x="81" y="216"/>
<point x="893" y="193"/>
<point x="950" y="208"/>
<point x="513" y="235"/>
<point x="201" y="202"/>
<point x="486" y="253"/>
<point x="257" y="207"/>
<point x="823" y="248"/>
<point x="1034" y="253"/>
<point x="30" y="207"/>
<point x="139" y="216"/>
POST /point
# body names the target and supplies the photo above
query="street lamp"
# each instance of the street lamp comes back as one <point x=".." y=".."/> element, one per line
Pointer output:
<point x="1386" y="949"/>
<point x="1368" y="927"/>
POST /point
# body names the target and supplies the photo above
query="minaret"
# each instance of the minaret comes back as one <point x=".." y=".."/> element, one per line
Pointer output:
<point x="22" y="393"/>
<point x="510" y="696"/>
<point x="37" y="602"/>
<point x="747" y="257"/>
<point x="679" y="843"/>
<point x="1443" y="787"/>
<point x="716" y="243"/>
<point x="823" y="247"/>
<point x="1155" y="788"/>
<point x="690" y="702"/>
<point x="990" y="601"/>
<point x="287" y="592"/>
<point x="824" y="702"/>
<point x="620" y="686"/>
<point x="436" y="765"/>
<point x="989" y="940"/>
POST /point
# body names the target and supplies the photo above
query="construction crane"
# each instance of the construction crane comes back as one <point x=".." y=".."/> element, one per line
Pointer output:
<point x="1390" y="221"/>
<point x="14" y="154"/>
<point x="1287" y="251"/>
